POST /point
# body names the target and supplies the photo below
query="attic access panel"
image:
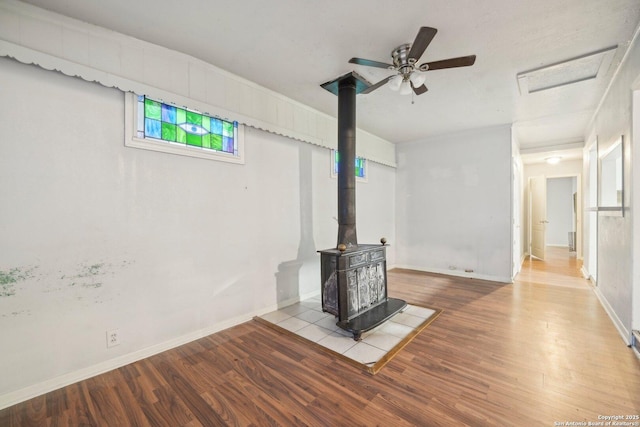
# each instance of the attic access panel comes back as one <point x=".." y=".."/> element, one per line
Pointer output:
<point x="574" y="70"/>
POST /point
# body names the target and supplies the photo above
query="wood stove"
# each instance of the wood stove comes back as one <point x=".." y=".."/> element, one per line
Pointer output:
<point x="353" y="277"/>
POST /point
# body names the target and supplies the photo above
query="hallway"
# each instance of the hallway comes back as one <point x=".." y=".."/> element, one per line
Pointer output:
<point x="560" y="268"/>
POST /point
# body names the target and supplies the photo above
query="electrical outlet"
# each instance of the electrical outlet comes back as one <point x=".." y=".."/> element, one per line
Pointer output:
<point x="113" y="338"/>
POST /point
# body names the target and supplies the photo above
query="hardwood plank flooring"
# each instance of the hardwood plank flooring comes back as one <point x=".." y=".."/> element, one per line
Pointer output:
<point x="536" y="352"/>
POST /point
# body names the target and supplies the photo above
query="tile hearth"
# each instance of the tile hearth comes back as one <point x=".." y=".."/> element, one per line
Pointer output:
<point x="307" y="320"/>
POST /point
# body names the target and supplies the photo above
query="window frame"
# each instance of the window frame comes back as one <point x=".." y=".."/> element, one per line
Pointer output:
<point x="153" y="144"/>
<point x="334" y="174"/>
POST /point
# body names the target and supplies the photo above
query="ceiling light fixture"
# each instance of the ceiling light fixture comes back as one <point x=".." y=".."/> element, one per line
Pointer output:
<point x="395" y="82"/>
<point x="405" y="88"/>
<point x="404" y="83"/>
<point x="417" y="78"/>
<point x="553" y="160"/>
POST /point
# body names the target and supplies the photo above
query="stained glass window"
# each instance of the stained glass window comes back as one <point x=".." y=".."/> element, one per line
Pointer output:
<point x="360" y="165"/>
<point x="182" y="126"/>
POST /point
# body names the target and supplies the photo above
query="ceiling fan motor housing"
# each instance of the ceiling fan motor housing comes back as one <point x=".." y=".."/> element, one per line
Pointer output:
<point x="401" y="60"/>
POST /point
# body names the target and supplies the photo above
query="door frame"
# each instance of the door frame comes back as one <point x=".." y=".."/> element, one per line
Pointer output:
<point x="579" y="211"/>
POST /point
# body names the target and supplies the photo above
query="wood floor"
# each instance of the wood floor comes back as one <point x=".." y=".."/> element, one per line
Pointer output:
<point x="532" y="353"/>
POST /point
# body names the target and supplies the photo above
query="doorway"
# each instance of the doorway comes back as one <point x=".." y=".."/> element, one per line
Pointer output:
<point x="562" y="212"/>
<point x="554" y="218"/>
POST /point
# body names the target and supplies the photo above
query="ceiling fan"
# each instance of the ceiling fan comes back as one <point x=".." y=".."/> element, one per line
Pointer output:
<point x="409" y="75"/>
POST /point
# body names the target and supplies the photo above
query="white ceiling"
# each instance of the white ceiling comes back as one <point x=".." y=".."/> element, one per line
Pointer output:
<point x="292" y="46"/>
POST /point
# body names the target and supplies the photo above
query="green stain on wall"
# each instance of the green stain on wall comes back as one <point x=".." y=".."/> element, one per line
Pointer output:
<point x="91" y="270"/>
<point x="9" y="278"/>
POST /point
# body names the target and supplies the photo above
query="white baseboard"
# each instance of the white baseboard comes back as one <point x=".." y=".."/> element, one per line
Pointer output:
<point x="309" y="295"/>
<point x="585" y="273"/>
<point x="14" y="397"/>
<point x="291" y="301"/>
<point x="457" y="273"/>
<point x="635" y="340"/>
<point x="622" y="330"/>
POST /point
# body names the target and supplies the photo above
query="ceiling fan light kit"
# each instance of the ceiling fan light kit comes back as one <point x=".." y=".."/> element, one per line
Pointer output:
<point x="417" y="78"/>
<point x="405" y="88"/>
<point x="395" y="82"/>
<point x="410" y="76"/>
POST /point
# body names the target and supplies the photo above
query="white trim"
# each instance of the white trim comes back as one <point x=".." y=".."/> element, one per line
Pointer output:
<point x="309" y="295"/>
<point x="17" y="396"/>
<point x="457" y="273"/>
<point x="635" y="343"/>
<point x="130" y="140"/>
<point x="622" y="330"/>
<point x="297" y="299"/>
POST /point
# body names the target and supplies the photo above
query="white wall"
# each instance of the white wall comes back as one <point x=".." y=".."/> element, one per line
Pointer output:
<point x="454" y="204"/>
<point x="166" y="248"/>
<point x="560" y="211"/>
<point x="616" y="233"/>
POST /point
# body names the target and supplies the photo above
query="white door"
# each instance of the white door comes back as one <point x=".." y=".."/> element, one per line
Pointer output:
<point x="538" y="217"/>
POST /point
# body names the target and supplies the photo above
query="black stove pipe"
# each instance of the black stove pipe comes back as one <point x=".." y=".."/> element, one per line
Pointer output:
<point x="346" y="162"/>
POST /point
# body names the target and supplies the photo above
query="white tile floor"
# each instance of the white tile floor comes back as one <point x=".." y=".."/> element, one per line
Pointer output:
<point x="307" y="320"/>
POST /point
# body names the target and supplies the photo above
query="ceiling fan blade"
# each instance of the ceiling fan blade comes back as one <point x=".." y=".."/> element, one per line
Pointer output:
<point x="419" y="90"/>
<point x="370" y="63"/>
<point x="424" y="37"/>
<point x="377" y="85"/>
<point x="463" y="61"/>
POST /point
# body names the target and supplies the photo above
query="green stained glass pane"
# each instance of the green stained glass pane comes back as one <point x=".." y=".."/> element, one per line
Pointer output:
<point x="216" y="142"/>
<point x="181" y="115"/>
<point x="194" y="118"/>
<point x="168" y="131"/>
<point x="227" y="129"/>
<point x="181" y="135"/>
<point x="195" y="140"/>
<point x="206" y="123"/>
<point x="206" y="141"/>
<point x="152" y="109"/>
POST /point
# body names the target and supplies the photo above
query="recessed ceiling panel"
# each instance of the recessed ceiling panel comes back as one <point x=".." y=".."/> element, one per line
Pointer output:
<point x="567" y="72"/>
